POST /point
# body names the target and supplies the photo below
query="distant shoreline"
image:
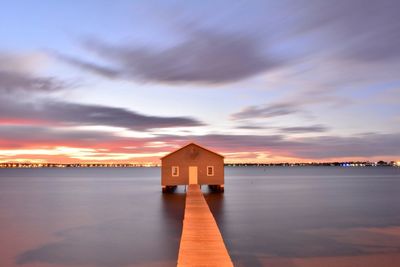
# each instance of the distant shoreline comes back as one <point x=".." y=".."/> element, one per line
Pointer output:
<point x="111" y="165"/>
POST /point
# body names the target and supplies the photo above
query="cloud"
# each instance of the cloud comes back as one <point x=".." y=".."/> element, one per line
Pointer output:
<point x="250" y="127"/>
<point x="93" y="67"/>
<point x="304" y="129"/>
<point x="318" y="148"/>
<point x="267" y="111"/>
<point x="203" y="57"/>
<point x="295" y="103"/>
<point x="109" y="145"/>
<point x="287" y="130"/>
<point x="371" y="145"/>
<point x="14" y="81"/>
<point x="47" y="135"/>
<point x="22" y="62"/>
<point x="367" y="31"/>
<point x="17" y="74"/>
<point x="72" y="114"/>
<point x="233" y="143"/>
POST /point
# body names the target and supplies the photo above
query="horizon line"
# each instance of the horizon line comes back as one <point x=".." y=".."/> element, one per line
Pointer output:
<point x="153" y="164"/>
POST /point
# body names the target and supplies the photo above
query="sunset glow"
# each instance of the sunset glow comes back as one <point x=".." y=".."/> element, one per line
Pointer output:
<point x="265" y="82"/>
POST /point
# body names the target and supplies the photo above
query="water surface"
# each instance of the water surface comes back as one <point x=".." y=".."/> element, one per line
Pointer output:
<point x="273" y="216"/>
<point x="301" y="216"/>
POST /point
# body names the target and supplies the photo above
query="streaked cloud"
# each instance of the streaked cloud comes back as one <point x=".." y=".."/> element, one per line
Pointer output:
<point x="18" y="74"/>
<point x="368" y="31"/>
<point x="13" y="81"/>
<point x="204" y="56"/>
<point x="22" y="62"/>
<point x="319" y="147"/>
<point x="296" y="103"/>
<point x="23" y="134"/>
<point x="304" y="129"/>
<point x="370" y="145"/>
<point x="248" y="147"/>
<point x="281" y="80"/>
<point x="249" y="127"/>
<point x="73" y="114"/>
<point x="265" y="147"/>
<point x="267" y="111"/>
<point x="318" y="128"/>
<point x="105" y="71"/>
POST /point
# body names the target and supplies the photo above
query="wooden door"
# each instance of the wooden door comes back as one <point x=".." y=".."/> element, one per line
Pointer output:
<point x="193" y="175"/>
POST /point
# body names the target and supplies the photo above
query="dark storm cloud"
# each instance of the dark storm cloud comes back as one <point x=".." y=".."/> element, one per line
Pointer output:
<point x="64" y="113"/>
<point x="267" y="111"/>
<point x="361" y="30"/>
<point x="203" y="57"/>
<point x="14" y="81"/>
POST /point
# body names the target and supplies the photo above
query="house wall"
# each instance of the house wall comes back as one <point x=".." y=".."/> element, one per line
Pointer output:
<point x="192" y="155"/>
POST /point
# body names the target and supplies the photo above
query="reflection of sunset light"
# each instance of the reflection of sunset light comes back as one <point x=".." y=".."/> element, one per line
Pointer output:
<point x="134" y="134"/>
<point x="23" y="160"/>
<point x="17" y="152"/>
<point x="60" y="150"/>
<point x="183" y="131"/>
<point x="100" y="128"/>
<point x="77" y="153"/>
<point x="118" y="156"/>
<point x="19" y="121"/>
<point x="159" y="144"/>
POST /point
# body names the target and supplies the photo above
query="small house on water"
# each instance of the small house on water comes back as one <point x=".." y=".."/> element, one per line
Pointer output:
<point x="192" y="164"/>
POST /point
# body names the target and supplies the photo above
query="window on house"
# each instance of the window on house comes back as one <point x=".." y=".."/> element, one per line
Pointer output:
<point x="175" y="171"/>
<point x="210" y="170"/>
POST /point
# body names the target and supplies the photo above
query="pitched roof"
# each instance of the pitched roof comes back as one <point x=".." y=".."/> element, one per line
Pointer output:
<point x="189" y="145"/>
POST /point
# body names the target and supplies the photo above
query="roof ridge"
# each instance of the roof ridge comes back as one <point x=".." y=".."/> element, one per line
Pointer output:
<point x="192" y="143"/>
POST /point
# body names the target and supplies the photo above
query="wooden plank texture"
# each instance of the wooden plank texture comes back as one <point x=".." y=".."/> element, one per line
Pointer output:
<point x="201" y="242"/>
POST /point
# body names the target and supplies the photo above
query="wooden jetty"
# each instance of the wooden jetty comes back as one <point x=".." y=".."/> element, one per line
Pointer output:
<point x="201" y="241"/>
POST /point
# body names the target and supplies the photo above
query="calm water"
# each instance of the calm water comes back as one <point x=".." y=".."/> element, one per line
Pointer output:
<point x="276" y="216"/>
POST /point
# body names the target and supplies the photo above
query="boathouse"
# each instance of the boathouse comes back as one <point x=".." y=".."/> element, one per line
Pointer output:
<point x="192" y="164"/>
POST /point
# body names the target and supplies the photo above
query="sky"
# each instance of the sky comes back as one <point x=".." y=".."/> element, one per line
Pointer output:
<point x="257" y="81"/>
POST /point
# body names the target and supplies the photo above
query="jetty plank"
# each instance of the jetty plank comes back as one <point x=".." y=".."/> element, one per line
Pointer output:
<point x="201" y="241"/>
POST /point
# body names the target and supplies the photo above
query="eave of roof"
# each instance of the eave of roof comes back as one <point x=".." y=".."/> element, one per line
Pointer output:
<point x="191" y="143"/>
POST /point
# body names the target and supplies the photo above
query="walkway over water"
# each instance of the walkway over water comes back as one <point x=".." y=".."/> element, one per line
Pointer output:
<point x="201" y="241"/>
